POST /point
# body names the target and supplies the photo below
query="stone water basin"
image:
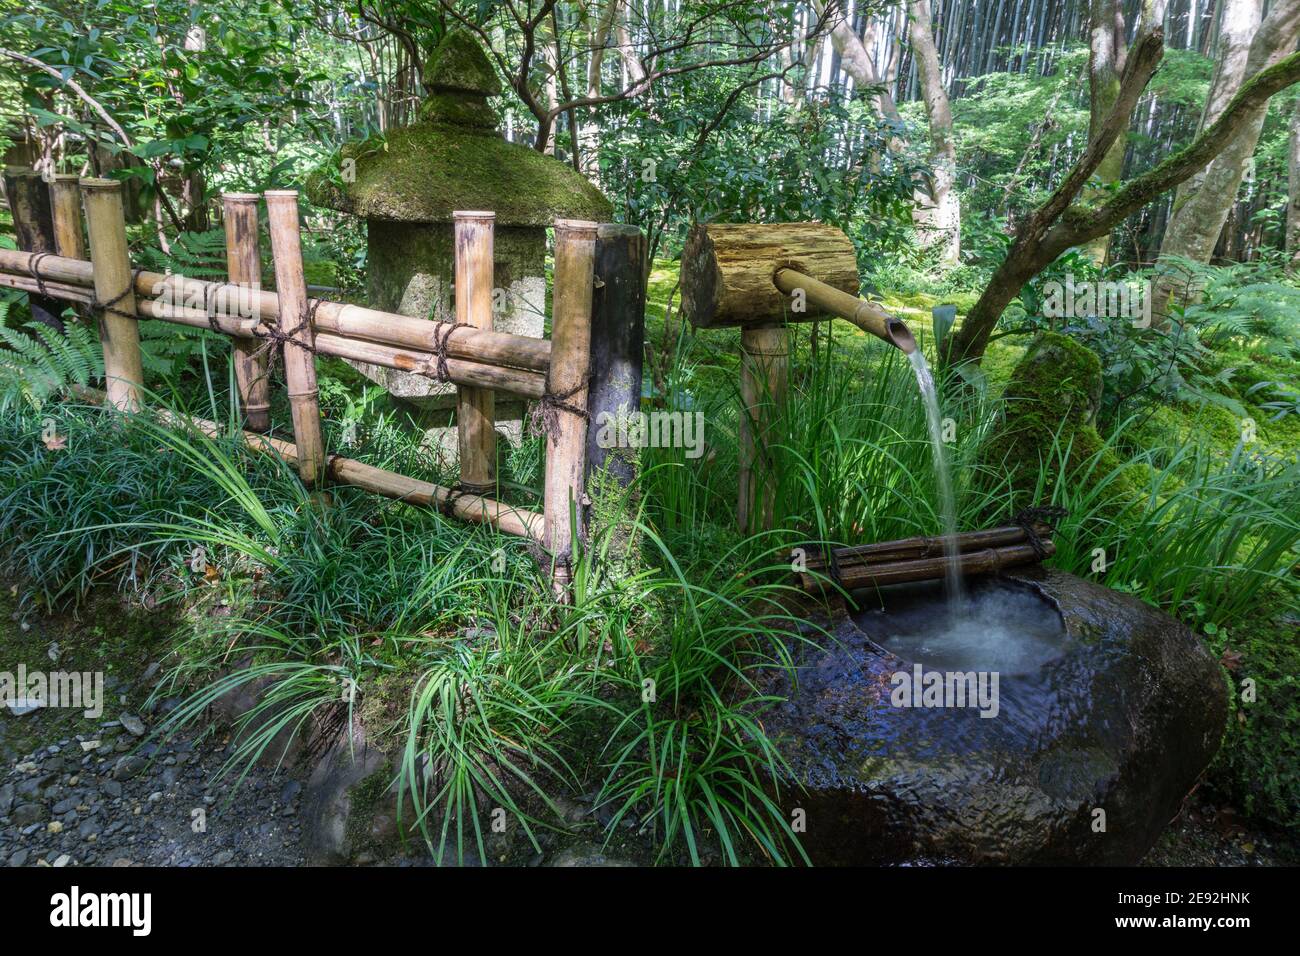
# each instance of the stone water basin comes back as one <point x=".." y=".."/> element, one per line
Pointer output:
<point x="1103" y="716"/>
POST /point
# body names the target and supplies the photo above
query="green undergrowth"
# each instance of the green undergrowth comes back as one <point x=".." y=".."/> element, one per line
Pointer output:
<point x="445" y="641"/>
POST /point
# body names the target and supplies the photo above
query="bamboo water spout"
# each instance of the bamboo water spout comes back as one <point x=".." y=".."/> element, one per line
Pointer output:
<point x="761" y="278"/>
<point x="865" y="314"/>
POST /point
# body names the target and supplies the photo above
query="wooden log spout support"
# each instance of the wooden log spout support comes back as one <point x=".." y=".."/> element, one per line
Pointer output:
<point x="114" y="292"/>
<point x="563" y="407"/>
<point x="764" y="371"/>
<point x="244" y="267"/>
<point x="475" y="407"/>
<point x="296" y="334"/>
<point x="761" y="277"/>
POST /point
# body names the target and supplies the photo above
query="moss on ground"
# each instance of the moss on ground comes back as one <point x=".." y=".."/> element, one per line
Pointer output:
<point x="102" y="635"/>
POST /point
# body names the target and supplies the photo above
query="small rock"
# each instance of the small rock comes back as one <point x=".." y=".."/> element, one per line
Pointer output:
<point x="128" y="767"/>
<point x="27" y="814"/>
<point x="222" y="858"/>
<point x="18" y="857"/>
<point x="63" y="860"/>
<point x="133" y="724"/>
<point x="54" y="826"/>
<point x="111" y="789"/>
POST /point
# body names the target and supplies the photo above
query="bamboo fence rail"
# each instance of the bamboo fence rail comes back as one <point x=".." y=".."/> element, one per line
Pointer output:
<point x="287" y="322"/>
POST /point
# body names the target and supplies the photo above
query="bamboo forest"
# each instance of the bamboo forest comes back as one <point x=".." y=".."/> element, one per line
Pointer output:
<point x="444" y="434"/>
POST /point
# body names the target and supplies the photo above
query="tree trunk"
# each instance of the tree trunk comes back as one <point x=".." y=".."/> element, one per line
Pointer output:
<point x="1059" y="224"/>
<point x="1108" y="49"/>
<point x="939" y="219"/>
<point x="1293" y="191"/>
<point x="1202" y="209"/>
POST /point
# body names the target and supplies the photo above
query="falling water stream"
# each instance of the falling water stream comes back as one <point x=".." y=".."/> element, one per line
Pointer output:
<point x="943" y="478"/>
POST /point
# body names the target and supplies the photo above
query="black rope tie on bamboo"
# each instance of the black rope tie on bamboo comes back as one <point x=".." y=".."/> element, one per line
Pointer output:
<point x="1028" y="518"/>
<point x="454" y="493"/>
<point x="34" y="268"/>
<point x="111" y="304"/>
<point x="545" y="416"/>
<point x="440" y="342"/>
<point x="276" y="340"/>
<point x="209" y="309"/>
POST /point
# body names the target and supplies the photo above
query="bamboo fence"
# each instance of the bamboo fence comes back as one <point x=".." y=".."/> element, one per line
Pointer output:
<point x="289" y="324"/>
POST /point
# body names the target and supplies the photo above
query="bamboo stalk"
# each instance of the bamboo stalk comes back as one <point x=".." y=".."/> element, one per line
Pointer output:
<point x="866" y="315"/>
<point x="475" y="407"/>
<point x="764" y="370"/>
<point x="65" y="203"/>
<point x="471" y="350"/>
<point x="295" y="326"/>
<point x="566" y="385"/>
<point x="516" y="381"/>
<point x="244" y="267"/>
<point x="986" y="561"/>
<point x="114" y="292"/>
<point x="354" y="321"/>
<point x="926" y="547"/>
<point x="55" y="290"/>
<point x="505" y="518"/>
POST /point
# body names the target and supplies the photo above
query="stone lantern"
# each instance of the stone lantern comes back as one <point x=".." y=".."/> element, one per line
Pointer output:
<point x="407" y="186"/>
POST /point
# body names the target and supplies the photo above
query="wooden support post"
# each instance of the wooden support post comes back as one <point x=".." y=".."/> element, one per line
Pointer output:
<point x="566" y="391"/>
<point x="295" y="326"/>
<point x="244" y="266"/>
<point x="29" y="202"/>
<point x="69" y="226"/>
<point x="475" y="407"/>
<point x="764" y="369"/>
<point x="65" y="205"/>
<point x="114" y="291"/>
<point x="617" y="344"/>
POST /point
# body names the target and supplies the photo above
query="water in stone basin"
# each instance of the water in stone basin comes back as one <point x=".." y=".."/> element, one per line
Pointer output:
<point x="996" y="628"/>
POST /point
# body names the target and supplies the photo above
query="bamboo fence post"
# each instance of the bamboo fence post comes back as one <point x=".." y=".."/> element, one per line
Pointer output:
<point x="244" y="267"/>
<point x="65" y="204"/>
<point x="119" y="330"/>
<point x="29" y="202"/>
<point x="475" y="407"/>
<point x="69" y="227"/>
<point x="764" y="369"/>
<point x="564" y="405"/>
<point x="617" y="341"/>
<point x="296" y="333"/>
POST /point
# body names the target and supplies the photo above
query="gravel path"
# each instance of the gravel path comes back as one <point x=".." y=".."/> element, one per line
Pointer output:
<point x="112" y="798"/>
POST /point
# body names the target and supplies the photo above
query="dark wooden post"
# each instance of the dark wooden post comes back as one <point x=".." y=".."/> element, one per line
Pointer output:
<point x="244" y="267"/>
<point x="29" y="202"/>
<point x="617" y="341"/>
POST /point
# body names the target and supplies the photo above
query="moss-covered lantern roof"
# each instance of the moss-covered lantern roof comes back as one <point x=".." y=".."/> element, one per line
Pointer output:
<point x="453" y="158"/>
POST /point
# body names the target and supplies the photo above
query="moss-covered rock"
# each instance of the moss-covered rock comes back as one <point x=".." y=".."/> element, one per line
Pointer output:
<point x="1049" y="431"/>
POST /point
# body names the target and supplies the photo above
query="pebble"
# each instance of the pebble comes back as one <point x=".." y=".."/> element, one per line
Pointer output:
<point x="133" y="724"/>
